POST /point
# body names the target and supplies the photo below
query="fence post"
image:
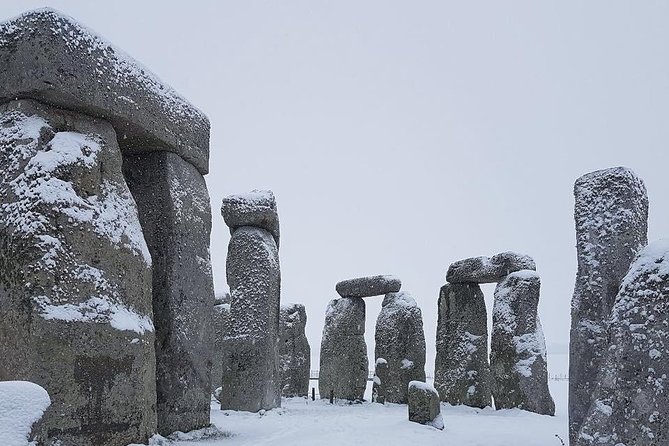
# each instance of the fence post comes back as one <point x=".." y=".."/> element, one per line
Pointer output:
<point x="331" y="396"/>
<point x="313" y="394"/>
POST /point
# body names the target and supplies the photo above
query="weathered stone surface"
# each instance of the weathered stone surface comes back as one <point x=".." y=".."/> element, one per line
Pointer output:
<point x="251" y="378"/>
<point x="630" y="401"/>
<point x="48" y="56"/>
<point x="611" y="214"/>
<point x="256" y="208"/>
<point x="400" y="341"/>
<point x="294" y="350"/>
<point x="343" y="366"/>
<point x="462" y="373"/>
<point x="75" y="287"/>
<point x="222" y="327"/>
<point x="518" y="347"/>
<point x="380" y="376"/>
<point x="424" y="405"/>
<point x="368" y="286"/>
<point x="488" y="270"/>
<point x="175" y="214"/>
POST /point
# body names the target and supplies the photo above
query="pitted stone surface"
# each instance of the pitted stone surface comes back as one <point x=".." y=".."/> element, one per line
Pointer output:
<point x="251" y="377"/>
<point x="462" y="372"/>
<point x="48" y="56"/>
<point x="76" y="313"/>
<point x="400" y="341"/>
<point x="488" y="270"/>
<point x="368" y="286"/>
<point x="294" y="350"/>
<point x="175" y="214"/>
<point x="222" y="328"/>
<point x="343" y="365"/>
<point x="630" y="400"/>
<point x="611" y="214"/>
<point x="424" y="405"/>
<point x="518" y="348"/>
<point x="380" y="376"/>
<point x="256" y="208"/>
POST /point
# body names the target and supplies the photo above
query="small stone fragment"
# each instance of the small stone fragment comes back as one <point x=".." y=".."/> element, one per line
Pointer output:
<point x="368" y="286"/>
<point x="400" y="341"/>
<point x="462" y="373"/>
<point x="343" y="365"/>
<point x="518" y="348"/>
<point x="488" y="270"/>
<point x="424" y="407"/>
<point x="294" y="350"/>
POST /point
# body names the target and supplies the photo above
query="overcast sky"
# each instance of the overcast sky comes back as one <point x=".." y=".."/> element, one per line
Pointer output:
<point x="399" y="137"/>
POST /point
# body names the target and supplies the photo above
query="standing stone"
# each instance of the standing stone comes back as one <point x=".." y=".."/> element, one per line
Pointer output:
<point x="400" y="341"/>
<point x="518" y="348"/>
<point x="611" y="214"/>
<point x="424" y="405"/>
<point x="75" y="288"/>
<point x="251" y="378"/>
<point x="462" y="373"/>
<point x="294" y="351"/>
<point x="175" y="215"/>
<point x="368" y="286"/>
<point x="630" y="401"/>
<point x="380" y="376"/>
<point x="222" y="328"/>
<point x="488" y="270"/>
<point x="343" y="366"/>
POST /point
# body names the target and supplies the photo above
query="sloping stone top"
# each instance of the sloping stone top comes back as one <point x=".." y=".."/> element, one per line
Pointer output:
<point x="48" y="56"/>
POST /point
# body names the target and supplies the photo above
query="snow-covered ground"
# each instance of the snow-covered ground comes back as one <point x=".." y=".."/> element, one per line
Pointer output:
<point x="304" y="422"/>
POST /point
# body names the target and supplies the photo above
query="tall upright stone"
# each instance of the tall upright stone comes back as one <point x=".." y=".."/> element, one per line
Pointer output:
<point x="75" y="287"/>
<point x="344" y="365"/>
<point x="630" y="401"/>
<point x="294" y="350"/>
<point x="251" y="378"/>
<point x="400" y="341"/>
<point x="611" y="214"/>
<point x="175" y="215"/>
<point x="222" y="327"/>
<point x="518" y="348"/>
<point x="462" y="372"/>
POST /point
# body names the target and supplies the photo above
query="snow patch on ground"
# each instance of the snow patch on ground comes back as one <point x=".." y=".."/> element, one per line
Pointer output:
<point x="22" y="403"/>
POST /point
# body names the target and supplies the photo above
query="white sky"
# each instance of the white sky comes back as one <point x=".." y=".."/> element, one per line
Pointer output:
<point x="399" y="137"/>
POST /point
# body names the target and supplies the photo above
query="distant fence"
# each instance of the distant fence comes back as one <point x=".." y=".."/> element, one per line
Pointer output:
<point x="313" y="375"/>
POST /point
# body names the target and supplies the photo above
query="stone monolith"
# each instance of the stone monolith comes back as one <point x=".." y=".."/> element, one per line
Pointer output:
<point x="294" y="350"/>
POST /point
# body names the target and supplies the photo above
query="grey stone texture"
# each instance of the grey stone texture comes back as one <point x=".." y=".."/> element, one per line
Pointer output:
<point x="488" y="270"/>
<point x="611" y="216"/>
<point x="175" y="214"/>
<point x="629" y="404"/>
<point x="343" y="363"/>
<point x="368" y="286"/>
<point x="48" y="56"/>
<point x="380" y="376"/>
<point x="256" y="208"/>
<point x="294" y="350"/>
<point x="222" y="321"/>
<point x="462" y="373"/>
<point x="400" y="340"/>
<point x="251" y="377"/>
<point x="75" y="285"/>
<point x="424" y="407"/>
<point x="518" y="348"/>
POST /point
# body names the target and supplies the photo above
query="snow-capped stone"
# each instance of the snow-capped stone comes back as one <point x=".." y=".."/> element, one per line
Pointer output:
<point x="400" y="342"/>
<point x="22" y="404"/>
<point x="488" y="270"/>
<point x="343" y="364"/>
<point x="76" y="299"/>
<point x="256" y="208"/>
<point x="462" y="373"/>
<point x="611" y="214"/>
<point x="175" y="214"/>
<point x="251" y="378"/>
<point x="424" y="407"/>
<point x="630" y="400"/>
<point x="518" y="348"/>
<point x="368" y="286"/>
<point x="380" y="376"/>
<point x="72" y="68"/>
<point x="222" y="321"/>
<point x="294" y="350"/>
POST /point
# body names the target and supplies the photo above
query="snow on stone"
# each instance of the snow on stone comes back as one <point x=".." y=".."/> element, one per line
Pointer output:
<point x="22" y="403"/>
<point x="423" y="386"/>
